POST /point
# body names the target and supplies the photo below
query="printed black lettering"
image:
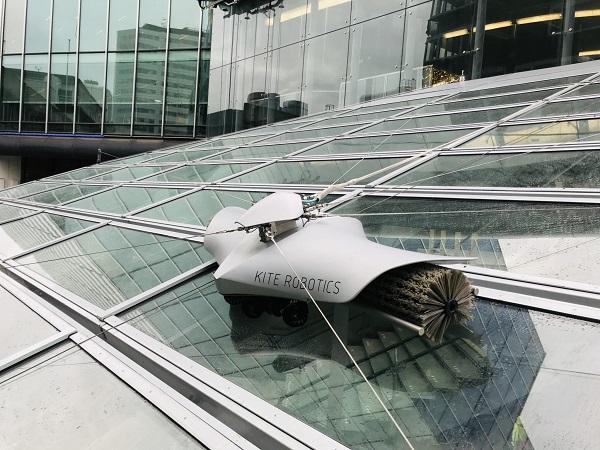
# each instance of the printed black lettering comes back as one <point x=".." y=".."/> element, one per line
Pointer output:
<point x="270" y="275"/>
<point x="275" y="279"/>
<point x="311" y="284"/>
<point x="288" y="279"/>
<point x="337" y="287"/>
<point x="303" y="285"/>
<point x="257" y="276"/>
<point x="327" y="286"/>
<point x="295" y="283"/>
<point x="319" y="286"/>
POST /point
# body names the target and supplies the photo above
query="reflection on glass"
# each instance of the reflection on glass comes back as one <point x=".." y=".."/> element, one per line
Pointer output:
<point x="109" y="265"/>
<point x="539" y="133"/>
<point x="363" y="11"/>
<point x="124" y="199"/>
<point x="8" y="212"/>
<point x="284" y="80"/>
<point x="263" y="151"/>
<point x="14" y="20"/>
<point x="90" y="92"/>
<point x="373" y="68"/>
<point x="200" y="207"/>
<point x="83" y="404"/>
<point x="311" y="133"/>
<point x="11" y="92"/>
<point x="27" y="189"/>
<point x="82" y="173"/>
<point x="327" y="15"/>
<point x="35" y="230"/>
<point x="191" y="155"/>
<point x="128" y="173"/>
<point x="543" y="239"/>
<point x="590" y="89"/>
<point x="93" y="25"/>
<point x="184" y="25"/>
<point x="149" y="93"/>
<point x="64" y="194"/>
<point x="500" y="382"/>
<point x="21" y="327"/>
<point x="122" y="26"/>
<point x="540" y="170"/>
<point x="64" y="26"/>
<point x="317" y="172"/>
<point x="38" y="26"/>
<point x="201" y="173"/>
<point x="152" y="34"/>
<point x="581" y="106"/>
<point x="181" y="91"/>
<point x="283" y="26"/>
<point x="119" y="93"/>
<point x="62" y="92"/>
<point x="35" y="80"/>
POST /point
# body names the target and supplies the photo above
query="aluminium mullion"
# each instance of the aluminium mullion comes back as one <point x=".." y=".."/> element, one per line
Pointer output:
<point x="22" y="80"/>
<point x="52" y="209"/>
<point x="409" y="164"/>
<point x="197" y="75"/>
<point x="105" y="75"/>
<point x="76" y="87"/>
<point x="166" y="67"/>
<point x="2" y="27"/>
<point x="135" y="65"/>
<point x="48" y="74"/>
<point x="35" y="349"/>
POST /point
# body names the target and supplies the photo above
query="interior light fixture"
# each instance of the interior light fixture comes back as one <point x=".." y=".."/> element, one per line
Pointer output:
<point x="456" y="33"/>
<point x="324" y="4"/>
<point x="587" y="13"/>
<point x="496" y="25"/>
<point x="590" y="53"/>
<point x="541" y="18"/>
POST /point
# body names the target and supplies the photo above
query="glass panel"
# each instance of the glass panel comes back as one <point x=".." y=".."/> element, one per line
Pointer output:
<point x="80" y="174"/>
<point x="182" y="156"/>
<point x="501" y="381"/>
<point x="397" y="106"/>
<point x="11" y="92"/>
<point x="122" y="26"/>
<point x="128" y="173"/>
<point x="317" y="172"/>
<point x="64" y="194"/>
<point x="263" y="151"/>
<point x="149" y="93"/>
<point x="581" y="106"/>
<point x="395" y="142"/>
<point x="8" y="212"/>
<point x="27" y="189"/>
<point x="64" y="26"/>
<point x="90" y="92"/>
<point x="205" y="173"/>
<point x="62" y="93"/>
<point x="119" y="93"/>
<point x="153" y="24"/>
<point x="38" y="26"/>
<point x="486" y="115"/>
<point x="549" y="170"/>
<point x="35" y="81"/>
<point x="93" y="21"/>
<point x="326" y="15"/>
<point x="20" y="327"/>
<point x="539" y="133"/>
<point x="84" y="404"/>
<point x="14" y="21"/>
<point x="356" y="118"/>
<point x="286" y="26"/>
<point x="181" y="91"/>
<point x="109" y="265"/>
<point x="137" y="158"/>
<point x="363" y="11"/>
<point x="184" y="25"/>
<point x="285" y="83"/>
<point x="311" y="133"/>
<point x="200" y="207"/>
<point x="124" y="199"/>
<point x="38" y="229"/>
<point x="325" y="59"/>
<point x="590" y="89"/>
<point x="544" y="239"/>
<point x="374" y="69"/>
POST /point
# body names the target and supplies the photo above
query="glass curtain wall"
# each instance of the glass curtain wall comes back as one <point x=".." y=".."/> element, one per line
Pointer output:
<point x="273" y="60"/>
<point x="113" y="67"/>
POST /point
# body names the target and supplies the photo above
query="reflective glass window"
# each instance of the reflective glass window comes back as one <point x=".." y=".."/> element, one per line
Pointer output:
<point x="20" y="327"/>
<point x="325" y="59"/>
<point x="64" y="194"/>
<point x="327" y="15"/>
<point x="27" y="189"/>
<point x="128" y="173"/>
<point x="14" y="21"/>
<point x="11" y="92"/>
<point x="201" y="173"/>
<point x="539" y="133"/>
<point x="62" y="92"/>
<point x="200" y="207"/>
<point x="149" y="93"/>
<point x="64" y="25"/>
<point x="90" y="92"/>
<point x="122" y="26"/>
<point x="317" y="172"/>
<point x="590" y="89"/>
<point x="285" y="83"/>
<point x="93" y="25"/>
<point x="152" y="33"/>
<point x="191" y="155"/>
<point x="83" y="404"/>
<point x="541" y="170"/>
<point x="366" y="10"/>
<point x="567" y="108"/>
<point x="263" y="151"/>
<point x="109" y="265"/>
<point x="8" y="212"/>
<point x="309" y="133"/>
<point x="35" y="230"/>
<point x="119" y="93"/>
<point x="124" y="199"/>
<point x="373" y="68"/>
<point x="184" y="25"/>
<point x="38" y="26"/>
<point x="286" y="25"/>
<point x="181" y="92"/>
<point x="35" y="81"/>
<point x="82" y="173"/>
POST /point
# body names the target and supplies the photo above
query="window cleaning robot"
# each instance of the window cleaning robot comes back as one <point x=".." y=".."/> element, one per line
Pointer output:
<point x="284" y="251"/>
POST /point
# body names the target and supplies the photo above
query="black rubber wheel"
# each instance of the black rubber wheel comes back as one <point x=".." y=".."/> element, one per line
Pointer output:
<point x="295" y="314"/>
<point x="253" y="308"/>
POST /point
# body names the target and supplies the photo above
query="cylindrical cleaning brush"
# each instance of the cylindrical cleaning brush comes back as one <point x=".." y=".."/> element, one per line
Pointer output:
<point x="426" y="295"/>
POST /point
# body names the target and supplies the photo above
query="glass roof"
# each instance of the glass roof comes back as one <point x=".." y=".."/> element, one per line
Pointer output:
<point x="129" y="173"/>
<point x="64" y="194"/>
<point x="8" y="212"/>
<point x="201" y="173"/>
<point x="28" y="189"/>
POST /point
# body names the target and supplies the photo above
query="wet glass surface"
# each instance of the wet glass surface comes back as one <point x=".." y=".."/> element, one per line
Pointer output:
<point x="500" y="381"/>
